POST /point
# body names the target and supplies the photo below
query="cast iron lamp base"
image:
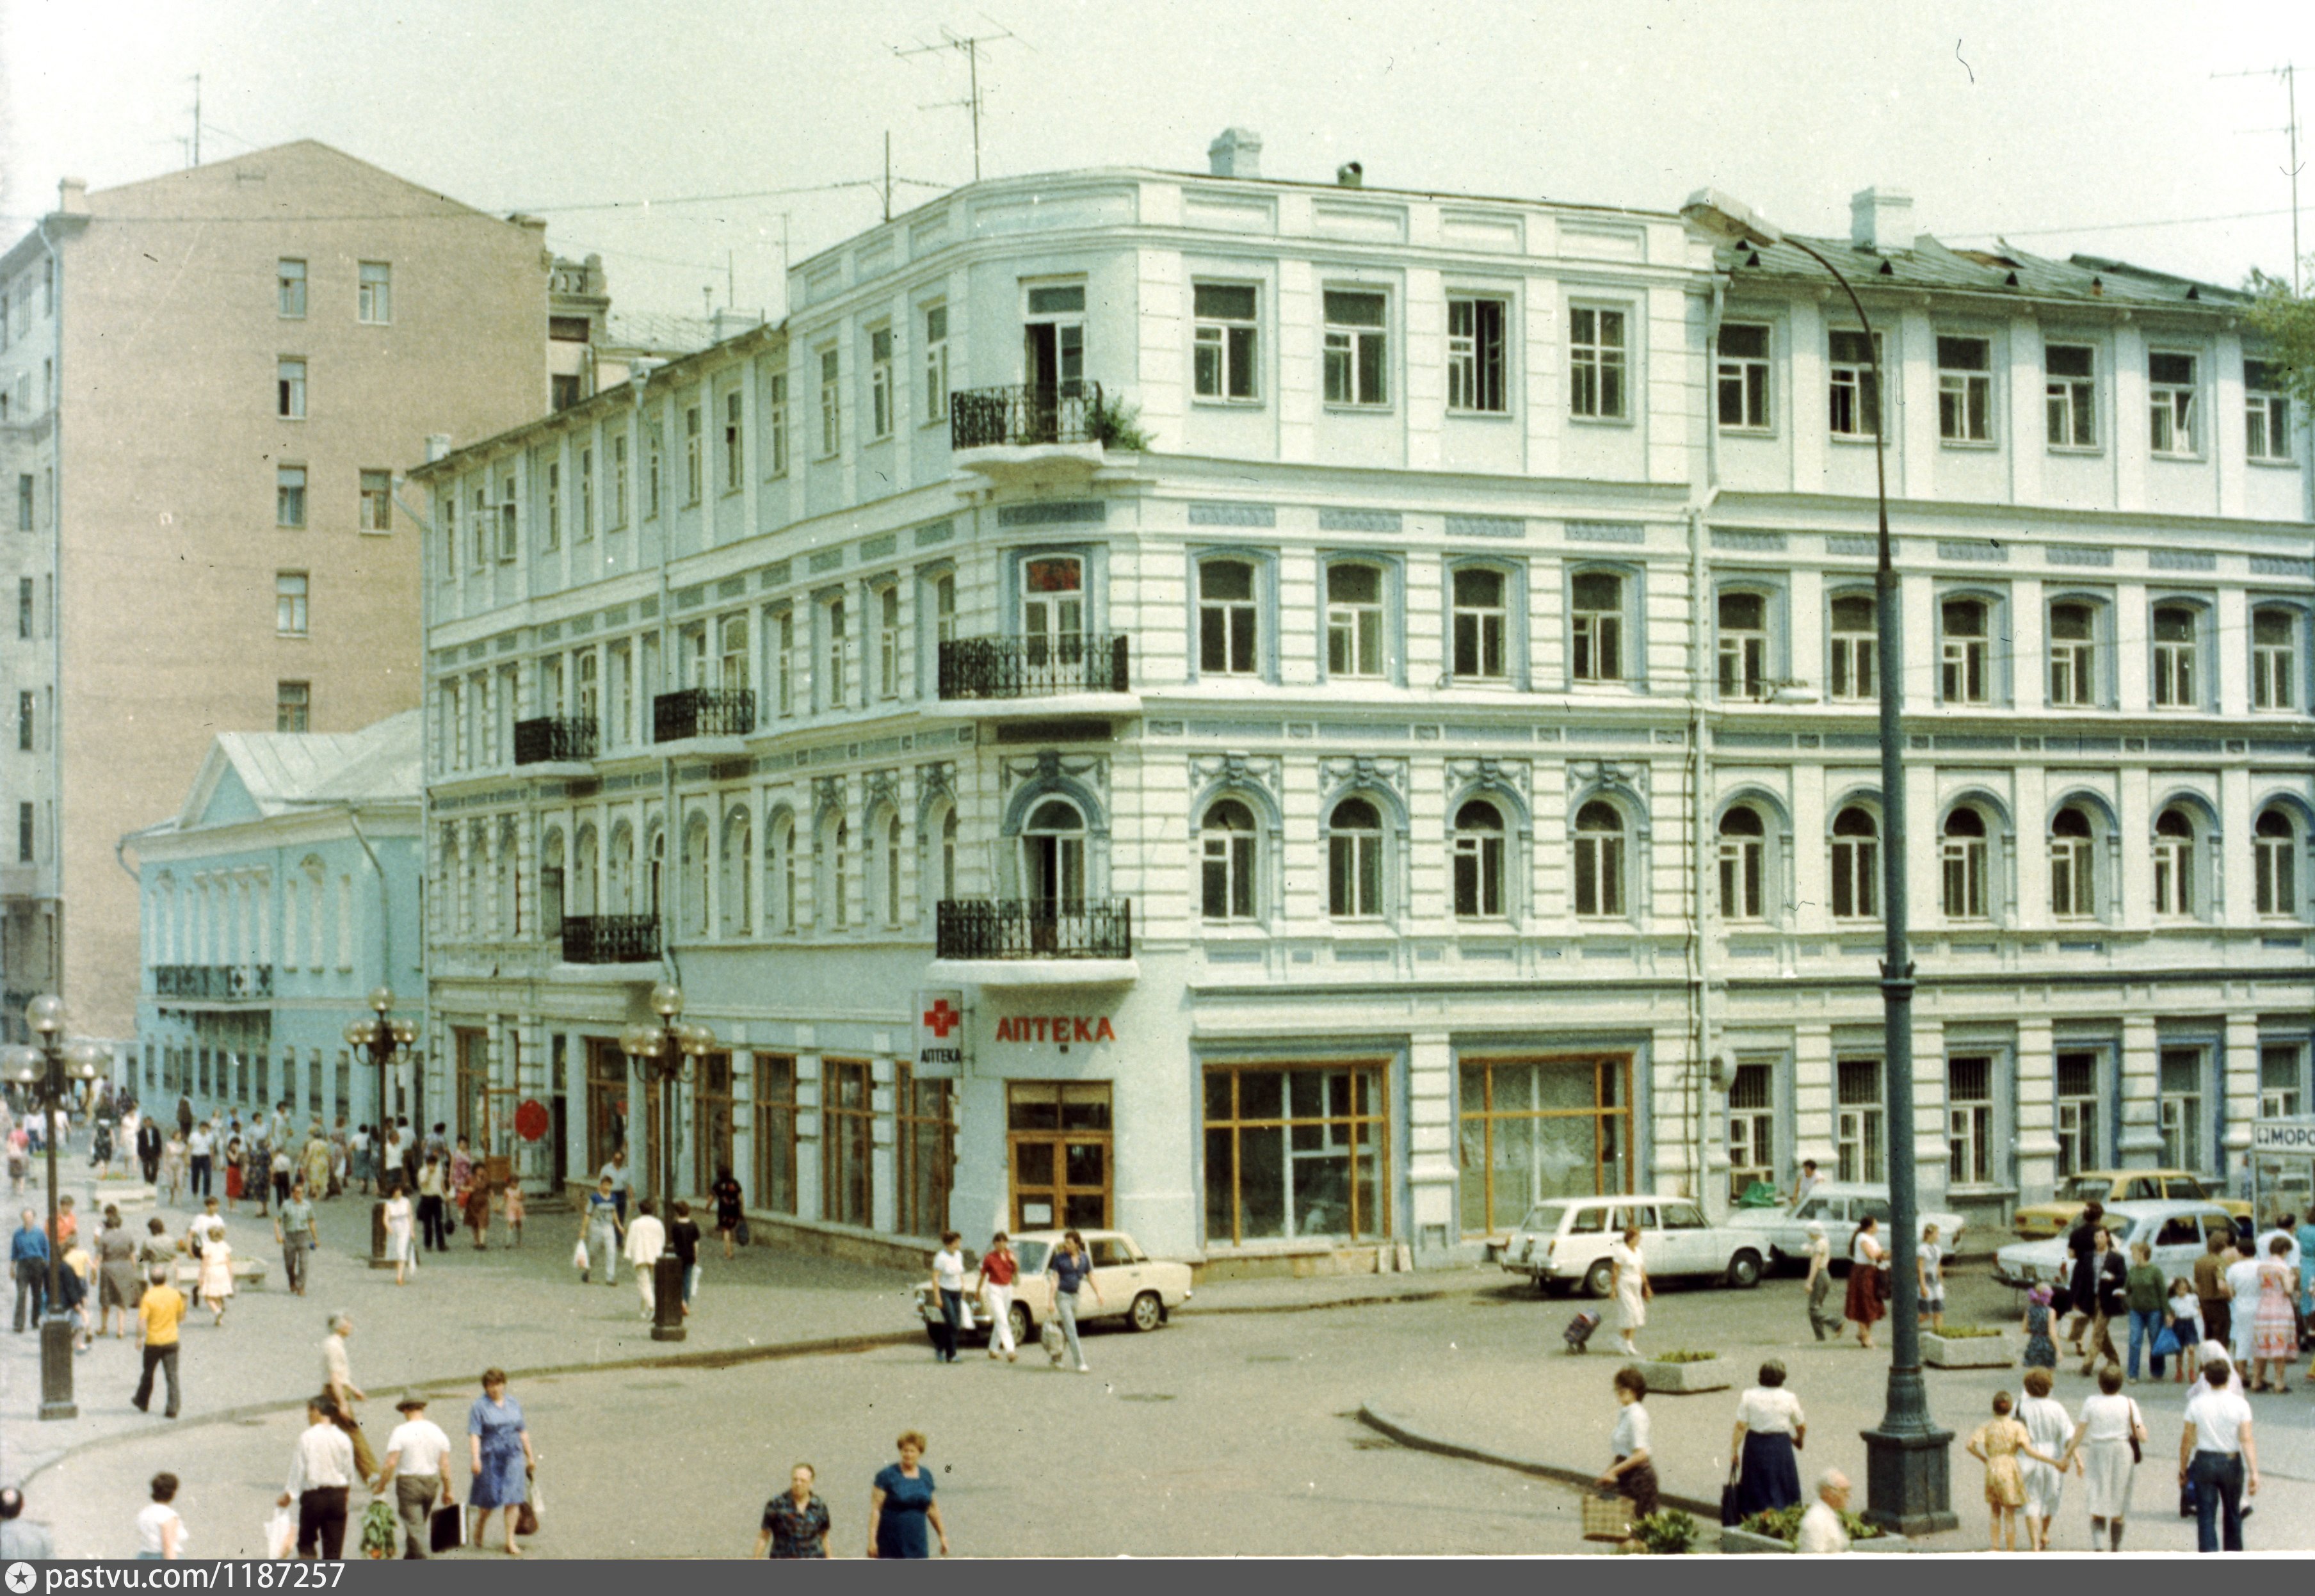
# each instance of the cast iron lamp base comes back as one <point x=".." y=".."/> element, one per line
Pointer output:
<point x="1909" y="1482"/>
<point x="667" y="1286"/>
<point x="56" y="1368"/>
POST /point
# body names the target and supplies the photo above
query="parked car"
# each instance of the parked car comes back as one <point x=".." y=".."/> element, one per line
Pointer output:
<point x="1564" y="1241"/>
<point x="1142" y="1291"/>
<point x="2175" y="1230"/>
<point x="2065" y="1209"/>
<point x="1840" y="1206"/>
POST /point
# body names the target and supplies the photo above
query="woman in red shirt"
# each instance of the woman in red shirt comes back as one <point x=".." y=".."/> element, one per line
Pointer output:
<point x="999" y="1269"/>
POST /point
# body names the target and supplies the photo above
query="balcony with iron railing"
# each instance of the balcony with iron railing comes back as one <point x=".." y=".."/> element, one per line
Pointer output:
<point x="610" y="939"/>
<point x="704" y="718"/>
<point x="213" y="983"/>
<point x="1075" y="673"/>
<point x="556" y="740"/>
<point x="1013" y="942"/>
<point x="1030" y="429"/>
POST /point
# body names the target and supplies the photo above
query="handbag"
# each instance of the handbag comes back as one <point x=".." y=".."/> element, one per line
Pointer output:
<point x="281" y="1532"/>
<point x="1607" y="1517"/>
<point x="1730" y="1516"/>
<point x="2137" y="1429"/>
<point x="739" y="1233"/>
<point x="446" y="1528"/>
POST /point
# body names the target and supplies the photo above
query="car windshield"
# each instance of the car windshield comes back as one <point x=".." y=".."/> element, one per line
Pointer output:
<point x="1032" y="1254"/>
<point x="2085" y="1188"/>
<point x="1545" y="1218"/>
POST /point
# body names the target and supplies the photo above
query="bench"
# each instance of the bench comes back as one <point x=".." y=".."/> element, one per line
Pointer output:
<point x="248" y="1273"/>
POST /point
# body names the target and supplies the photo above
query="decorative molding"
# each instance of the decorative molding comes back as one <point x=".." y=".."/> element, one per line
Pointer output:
<point x="1606" y="532"/>
<point x="1332" y="519"/>
<point x="1761" y="543"/>
<point x="1363" y="770"/>
<point x="772" y="576"/>
<point x="1627" y="777"/>
<point x="1460" y="526"/>
<point x="1983" y="550"/>
<point x="1206" y="512"/>
<point x="1842" y="543"/>
<point x="827" y="794"/>
<point x="731" y="586"/>
<point x="690" y="597"/>
<point x="933" y="532"/>
<point x="884" y="788"/>
<point x="2275" y="565"/>
<point x="2171" y="559"/>
<point x="877" y="548"/>
<point x="1265" y="772"/>
<point x="1059" y="512"/>
<point x="824" y="560"/>
<point x="2064" y="554"/>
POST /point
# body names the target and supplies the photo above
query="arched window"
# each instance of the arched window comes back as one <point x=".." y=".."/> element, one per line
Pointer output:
<point x="2174" y="861"/>
<point x="1598" y="860"/>
<point x="948" y="855"/>
<point x="1226" y="847"/>
<point x="1856" y="864"/>
<point x="736" y="910"/>
<point x="552" y="878"/>
<point x="839" y="839"/>
<point x="1744" y="853"/>
<point x="2073" y="866"/>
<point x="1743" y="645"/>
<point x="655" y="875"/>
<point x="508" y="881"/>
<point x="891" y="870"/>
<point x="1964" y="858"/>
<point x="2073" y="655"/>
<point x="619" y="871"/>
<point x="1478" y="850"/>
<point x="2275" y="844"/>
<point x="1354" y="861"/>
<point x="1053" y="857"/>
<point x="583" y="900"/>
<point x="871" y="878"/>
<point x="780" y="874"/>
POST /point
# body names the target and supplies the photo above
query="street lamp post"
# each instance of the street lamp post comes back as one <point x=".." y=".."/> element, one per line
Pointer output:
<point x="663" y="1053"/>
<point x="48" y="1065"/>
<point x="1909" y="1486"/>
<point x="382" y="1037"/>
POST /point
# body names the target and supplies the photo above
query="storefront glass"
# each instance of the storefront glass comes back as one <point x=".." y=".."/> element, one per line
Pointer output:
<point x="1533" y="1129"/>
<point x="1298" y="1151"/>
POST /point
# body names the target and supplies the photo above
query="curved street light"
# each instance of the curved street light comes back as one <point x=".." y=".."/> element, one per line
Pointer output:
<point x="47" y="1066"/>
<point x="381" y="1038"/>
<point x="662" y="1054"/>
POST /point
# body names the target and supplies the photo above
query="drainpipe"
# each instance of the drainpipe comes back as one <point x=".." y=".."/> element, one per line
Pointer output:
<point x="1702" y="921"/>
<point x="670" y="880"/>
<point x="56" y="396"/>
<point x="438" y="444"/>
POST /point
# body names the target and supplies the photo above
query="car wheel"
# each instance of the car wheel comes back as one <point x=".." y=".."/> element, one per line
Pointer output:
<point x="1599" y="1279"/>
<point x="1744" y="1271"/>
<point x="1147" y="1312"/>
<point x="1023" y="1330"/>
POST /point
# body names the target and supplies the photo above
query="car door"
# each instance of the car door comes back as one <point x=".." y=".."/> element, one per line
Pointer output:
<point x="1115" y="1275"/>
<point x="2178" y="1242"/>
<point x="1688" y="1240"/>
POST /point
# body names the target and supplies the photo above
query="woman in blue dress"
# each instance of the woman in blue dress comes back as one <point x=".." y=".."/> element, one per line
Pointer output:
<point x="2041" y="1352"/>
<point x="901" y="1504"/>
<point x="500" y="1444"/>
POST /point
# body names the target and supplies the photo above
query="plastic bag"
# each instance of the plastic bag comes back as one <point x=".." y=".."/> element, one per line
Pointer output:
<point x="281" y="1533"/>
<point x="964" y="1311"/>
<point x="579" y="1256"/>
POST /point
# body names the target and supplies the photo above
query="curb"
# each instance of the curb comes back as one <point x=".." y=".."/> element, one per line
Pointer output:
<point x="1284" y="1307"/>
<point x="1406" y="1434"/>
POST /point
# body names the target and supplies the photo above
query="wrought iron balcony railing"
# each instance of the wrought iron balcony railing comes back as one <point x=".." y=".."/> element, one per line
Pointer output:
<point x="213" y="982"/>
<point x="554" y="739"/>
<point x="609" y="939"/>
<point x="703" y="712"/>
<point x="1034" y="928"/>
<point x="980" y="417"/>
<point x="1032" y="667"/>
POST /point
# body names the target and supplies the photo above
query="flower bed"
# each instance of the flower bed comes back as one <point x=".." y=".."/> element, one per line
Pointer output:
<point x="1685" y="1373"/>
<point x="1969" y="1348"/>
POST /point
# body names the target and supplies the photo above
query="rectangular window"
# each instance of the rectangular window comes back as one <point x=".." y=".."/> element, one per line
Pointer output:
<point x="1597" y="627"/>
<point x="509" y="548"/>
<point x="23" y="833"/>
<point x="2267" y="411"/>
<point x="1357" y="347"/>
<point x="887" y="643"/>
<point x="1596" y="364"/>
<point x="2174" y="657"/>
<point x="1224" y="341"/>
<point x="2073" y="658"/>
<point x="377" y="502"/>
<point x="775" y="424"/>
<point x="1744" y="378"/>
<point x="1858" y="1122"/>
<point x="374" y="300"/>
<point x="289" y="603"/>
<point x="616" y="516"/>
<point x="1475" y="355"/>
<point x="1964" y="390"/>
<point x="289" y="289"/>
<point x="289" y="390"/>
<point x="924" y="1152"/>
<point x="1479" y="614"/>
<point x="25" y="717"/>
<point x="1855" y="641"/>
<point x="694" y="474"/>
<point x="774" y="1114"/>
<point x="1353" y="620"/>
<point x="1530" y="1129"/>
<point x="2080" y="1148"/>
<point x="783" y="661"/>
<point x="880" y="381"/>
<point x="289" y="495"/>
<point x="654" y="451"/>
<point x="1296" y="1152"/>
<point x="832" y="403"/>
<point x="847" y="1140"/>
<point x="1743" y="645"/>
<point x="1227" y="619"/>
<point x="25" y="516"/>
<point x="24" y="606"/>
<point x="735" y="454"/>
<point x="1855" y="387"/>
<point x="1751" y="1129"/>
<point x="2071" y="393"/>
<point x="1969" y="1121"/>
<point x="586" y="528"/>
<point x="1058" y="1146"/>
<point x="832" y="689"/>
<point x="2278" y="1080"/>
<point x="1962" y="652"/>
<point x="2180" y="1107"/>
<point x="293" y="705"/>
<point x="550" y="531"/>
<point x="2170" y="401"/>
<point x="935" y="363"/>
<point x="2274" y="659"/>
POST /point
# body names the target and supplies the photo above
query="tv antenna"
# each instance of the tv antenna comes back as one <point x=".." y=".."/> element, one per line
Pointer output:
<point x="2288" y="72"/>
<point x="969" y="45"/>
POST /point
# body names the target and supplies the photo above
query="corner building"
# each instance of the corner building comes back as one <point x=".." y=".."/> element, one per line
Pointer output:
<point x="1311" y="689"/>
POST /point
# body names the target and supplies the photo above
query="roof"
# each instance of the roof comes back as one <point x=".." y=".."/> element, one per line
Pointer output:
<point x="2004" y="270"/>
<point x="658" y="334"/>
<point x="260" y="775"/>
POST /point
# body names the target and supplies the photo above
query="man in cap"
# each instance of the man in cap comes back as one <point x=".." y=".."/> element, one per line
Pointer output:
<point x="418" y="1462"/>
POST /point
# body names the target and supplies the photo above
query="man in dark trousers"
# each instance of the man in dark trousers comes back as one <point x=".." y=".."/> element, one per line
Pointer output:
<point x="149" y="1147"/>
<point x="2081" y="1243"/>
<point x="2210" y="1287"/>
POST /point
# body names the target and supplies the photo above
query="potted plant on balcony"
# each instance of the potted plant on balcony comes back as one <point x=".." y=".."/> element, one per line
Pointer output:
<point x="1114" y="424"/>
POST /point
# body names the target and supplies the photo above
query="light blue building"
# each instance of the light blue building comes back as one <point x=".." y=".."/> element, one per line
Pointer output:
<point x="282" y="891"/>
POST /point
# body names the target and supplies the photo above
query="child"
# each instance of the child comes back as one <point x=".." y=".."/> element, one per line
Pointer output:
<point x="514" y="1209"/>
<point x="2041" y="1352"/>
<point x="2186" y="1324"/>
<point x="1999" y="1443"/>
<point x="2050" y="1429"/>
<point x="1929" y="1265"/>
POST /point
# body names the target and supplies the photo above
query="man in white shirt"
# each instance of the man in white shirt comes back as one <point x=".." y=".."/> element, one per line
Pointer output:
<point x="1821" y="1528"/>
<point x="1808" y="1182"/>
<point x="647" y="1239"/>
<point x="418" y="1462"/>
<point x="207" y="1223"/>
<point x="2242" y="1290"/>
<point x="621" y="1177"/>
<point x="198" y="1147"/>
<point x="321" y="1469"/>
<point x="2217" y="1456"/>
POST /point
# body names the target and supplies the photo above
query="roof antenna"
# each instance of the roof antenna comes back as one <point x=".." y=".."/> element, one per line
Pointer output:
<point x="2288" y="72"/>
<point x="969" y="44"/>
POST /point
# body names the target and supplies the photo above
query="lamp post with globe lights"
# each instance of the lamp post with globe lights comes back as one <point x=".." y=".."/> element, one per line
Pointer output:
<point x="664" y="1052"/>
<point x="382" y="1037"/>
<point x="46" y="1066"/>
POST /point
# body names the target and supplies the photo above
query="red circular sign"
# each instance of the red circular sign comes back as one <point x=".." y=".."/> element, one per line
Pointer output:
<point x="530" y="1120"/>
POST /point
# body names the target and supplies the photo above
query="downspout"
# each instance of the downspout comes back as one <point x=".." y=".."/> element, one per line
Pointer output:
<point x="56" y="607"/>
<point x="426" y="1028"/>
<point x="671" y="874"/>
<point x="1701" y="921"/>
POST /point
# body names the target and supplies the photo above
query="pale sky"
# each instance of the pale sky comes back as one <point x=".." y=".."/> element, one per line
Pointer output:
<point x="2000" y="118"/>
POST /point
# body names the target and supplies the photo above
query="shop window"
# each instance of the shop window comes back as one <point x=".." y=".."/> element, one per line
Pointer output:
<point x="1970" y="1160"/>
<point x="846" y="1143"/>
<point x="1296" y="1152"/>
<point x="774" y="1118"/>
<point x="1534" y="1129"/>
<point x="1751" y="1129"/>
<point x="1058" y="1136"/>
<point x="2278" y="1080"/>
<point x="2180" y="1107"/>
<point x="924" y="1152"/>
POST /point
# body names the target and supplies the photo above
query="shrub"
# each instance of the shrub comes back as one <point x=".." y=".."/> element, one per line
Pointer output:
<point x="1968" y="1332"/>
<point x="1784" y="1523"/>
<point x="1114" y="424"/>
<point x="1666" y="1533"/>
<point x="1684" y="1357"/>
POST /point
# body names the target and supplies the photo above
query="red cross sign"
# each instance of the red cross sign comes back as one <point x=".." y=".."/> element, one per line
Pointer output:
<point x="940" y="1019"/>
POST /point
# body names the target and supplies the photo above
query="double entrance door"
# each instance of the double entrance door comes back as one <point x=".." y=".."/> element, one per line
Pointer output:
<point x="1058" y="1148"/>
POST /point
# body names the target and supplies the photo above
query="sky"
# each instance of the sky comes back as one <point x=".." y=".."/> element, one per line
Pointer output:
<point x="2062" y="126"/>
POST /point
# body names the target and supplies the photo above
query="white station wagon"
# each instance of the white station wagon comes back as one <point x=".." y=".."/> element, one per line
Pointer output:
<point x="1142" y="1291"/>
<point x="1566" y="1240"/>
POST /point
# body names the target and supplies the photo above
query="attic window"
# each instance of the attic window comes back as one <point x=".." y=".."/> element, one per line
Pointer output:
<point x="1887" y="269"/>
<point x="2193" y="293"/>
<point x="2011" y="279"/>
<point x="1753" y="257"/>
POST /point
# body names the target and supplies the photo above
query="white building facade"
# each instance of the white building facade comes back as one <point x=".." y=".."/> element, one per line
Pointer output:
<point x="1358" y="699"/>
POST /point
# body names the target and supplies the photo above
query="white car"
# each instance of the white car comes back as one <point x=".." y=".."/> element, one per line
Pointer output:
<point x="2175" y="1230"/>
<point x="1839" y="1206"/>
<point x="1564" y="1240"/>
<point x="1142" y="1291"/>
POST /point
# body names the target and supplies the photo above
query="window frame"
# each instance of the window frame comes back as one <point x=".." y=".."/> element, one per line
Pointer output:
<point x="1747" y="863"/>
<point x="1385" y="610"/>
<point x="2073" y="397"/>
<point x="1860" y="381"/>
<point x="374" y="296"/>
<point x="2177" y="874"/>
<point x="1361" y="348"/>
<point x="1608" y="365"/>
<point x="1856" y="864"/>
<point x="2278" y="671"/>
<point x="2075" y="871"/>
<point x="1861" y="1155"/>
<point x="2175" y="407"/>
<point x="735" y="439"/>
<point x="1260" y="602"/>
<point x="2278" y="863"/>
<point x="883" y="410"/>
<point x="2266" y="416"/>
<point x="1975" y="858"/>
<point x="374" y="506"/>
<point x="1369" y="851"/>
<point x="831" y="399"/>
<point x="1606" y="883"/>
<point x="2085" y="665"/>
<point x="1966" y="394"/>
<point x="694" y="453"/>
<point x="1476" y="369"/>
<point x="1233" y="857"/>
<point x="291" y="394"/>
<point x="292" y="595"/>
<point x="290" y="507"/>
<point x="1584" y="640"/>
<point x="293" y="700"/>
<point x="775" y="425"/>
<point x="1954" y="650"/>
<point x="1489" y="854"/>
<point x="1753" y="380"/>
<point x="2165" y="655"/>
<point x="283" y="291"/>
<point x="1764" y="675"/>
<point x="1512" y="615"/>
<point x="935" y="361"/>
<point x="1235" y="343"/>
<point x="1849" y="663"/>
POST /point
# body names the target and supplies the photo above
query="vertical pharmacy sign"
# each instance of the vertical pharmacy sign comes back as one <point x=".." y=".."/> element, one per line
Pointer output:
<point x="940" y="1034"/>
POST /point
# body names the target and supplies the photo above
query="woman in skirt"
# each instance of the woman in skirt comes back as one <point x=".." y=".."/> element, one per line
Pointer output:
<point x="2110" y="1423"/>
<point x="2041" y="1352"/>
<point x="1864" y="1308"/>
<point x="1770" y="1428"/>
<point x="1633" y="1475"/>
<point x="2051" y="1431"/>
<point x="217" y="1273"/>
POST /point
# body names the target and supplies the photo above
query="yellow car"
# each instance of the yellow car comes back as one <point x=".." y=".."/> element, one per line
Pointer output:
<point x="2109" y="1186"/>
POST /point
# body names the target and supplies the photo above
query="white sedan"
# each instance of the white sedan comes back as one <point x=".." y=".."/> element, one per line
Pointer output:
<point x="2173" y="1231"/>
<point x="1142" y="1291"/>
<point x="1839" y="1206"/>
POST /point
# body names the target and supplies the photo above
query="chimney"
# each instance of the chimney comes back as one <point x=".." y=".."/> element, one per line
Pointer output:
<point x="1237" y="152"/>
<point x="1881" y="219"/>
<point x="72" y="195"/>
<point x="438" y="444"/>
<point x="1350" y="174"/>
